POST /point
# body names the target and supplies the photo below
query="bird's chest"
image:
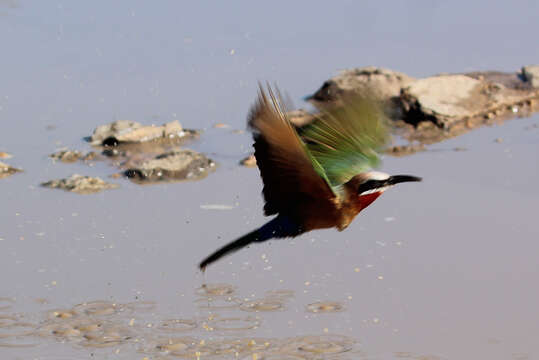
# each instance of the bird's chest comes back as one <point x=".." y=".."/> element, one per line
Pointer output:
<point x="326" y="215"/>
<point x="351" y="207"/>
<point x="346" y="215"/>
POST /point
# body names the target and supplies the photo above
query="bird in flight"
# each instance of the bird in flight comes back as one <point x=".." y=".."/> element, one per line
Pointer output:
<point x="318" y="178"/>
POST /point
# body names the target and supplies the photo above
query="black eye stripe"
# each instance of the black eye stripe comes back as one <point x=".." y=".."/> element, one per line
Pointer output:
<point x="370" y="184"/>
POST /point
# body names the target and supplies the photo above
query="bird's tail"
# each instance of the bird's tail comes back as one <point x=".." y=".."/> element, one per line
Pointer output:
<point x="278" y="227"/>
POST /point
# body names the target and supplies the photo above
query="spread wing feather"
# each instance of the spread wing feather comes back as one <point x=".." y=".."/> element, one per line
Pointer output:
<point x="289" y="172"/>
<point x="346" y="139"/>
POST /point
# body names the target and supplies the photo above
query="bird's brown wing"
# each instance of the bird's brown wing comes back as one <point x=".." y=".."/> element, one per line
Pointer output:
<point x="290" y="174"/>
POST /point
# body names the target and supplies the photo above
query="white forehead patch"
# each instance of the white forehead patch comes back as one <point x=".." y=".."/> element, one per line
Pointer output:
<point x="377" y="175"/>
<point x="372" y="191"/>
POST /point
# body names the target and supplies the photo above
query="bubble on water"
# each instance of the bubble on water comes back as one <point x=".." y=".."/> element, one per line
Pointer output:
<point x="85" y="330"/>
<point x="141" y="306"/>
<point x="262" y="305"/>
<point x="413" y="356"/>
<point x="61" y="313"/>
<point x="218" y="303"/>
<point x="98" y="308"/>
<point x="58" y="330"/>
<point x="106" y="336"/>
<point x="216" y="290"/>
<point x="188" y="347"/>
<point x="175" y="344"/>
<point x="89" y="326"/>
<point x="105" y="324"/>
<point x="282" y="294"/>
<point x="274" y="356"/>
<point x="325" y="307"/>
<point x="323" y="344"/>
<point x="234" y="323"/>
<point x="177" y="325"/>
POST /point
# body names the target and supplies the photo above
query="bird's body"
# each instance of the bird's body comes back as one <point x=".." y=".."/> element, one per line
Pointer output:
<point x="318" y="180"/>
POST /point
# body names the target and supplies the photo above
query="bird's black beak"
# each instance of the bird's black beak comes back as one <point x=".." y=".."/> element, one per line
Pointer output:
<point x="395" y="179"/>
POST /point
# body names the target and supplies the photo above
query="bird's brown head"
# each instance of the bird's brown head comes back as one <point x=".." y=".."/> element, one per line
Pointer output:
<point x="368" y="186"/>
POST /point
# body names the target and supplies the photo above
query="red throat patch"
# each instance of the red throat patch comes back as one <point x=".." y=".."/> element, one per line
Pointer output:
<point x="366" y="200"/>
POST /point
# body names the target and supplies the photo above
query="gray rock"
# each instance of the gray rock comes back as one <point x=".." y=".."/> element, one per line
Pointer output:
<point x="443" y="97"/>
<point x="433" y="109"/>
<point x="448" y="100"/>
<point x="124" y="131"/>
<point x="170" y="166"/>
<point x="372" y="81"/>
<point x="530" y="74"/>
<point x="70" y="156"/>
<point x="80" y="184"/>
<point x="403" y="150"/>
<point x="67" y="156"/>
<point x="249" y="161"/>
<point x="300" y="117"/>
<point x="7" y="170"/>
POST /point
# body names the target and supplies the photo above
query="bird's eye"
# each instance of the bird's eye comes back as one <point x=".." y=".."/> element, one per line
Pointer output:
<point x="370" y="186"/>
<point x="366" y="186"/>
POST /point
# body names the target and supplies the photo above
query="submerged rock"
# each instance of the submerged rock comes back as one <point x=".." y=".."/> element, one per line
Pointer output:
<point x="403" y="150"/>
<point x="67" y="156"/>
<point x="174" y="165"/>
<point x="221" y="126"/>
<point x="80" y="184"/>
<point x="249" y="161"/>
<point x="124" y="131"/>
<point x="7" y="170"/>
<point x="300" y="117"/>
<point x="145" y="154"/>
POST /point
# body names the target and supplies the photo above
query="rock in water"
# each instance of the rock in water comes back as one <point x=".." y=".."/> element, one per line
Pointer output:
<point x="432" y="109"/>
<point x="371" y="81"/>
<point x="249" y="161"/>
<point x="7" y="170"/>
<point x="66" y="156"/>
<point x="174" y="165"/>
<point x="530" y="74"/>
<point x="464" y="101"/>
<point x="443" y="98"/>
<point x="80" y="184"/>
<point x="124" y="131"/>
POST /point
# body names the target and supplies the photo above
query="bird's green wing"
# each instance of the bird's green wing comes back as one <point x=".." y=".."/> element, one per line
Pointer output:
<point x="345" y="139"/>
<point x="291" y="175"/>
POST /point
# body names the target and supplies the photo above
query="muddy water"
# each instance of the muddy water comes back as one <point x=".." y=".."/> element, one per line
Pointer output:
<point x="445" y="269"/>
